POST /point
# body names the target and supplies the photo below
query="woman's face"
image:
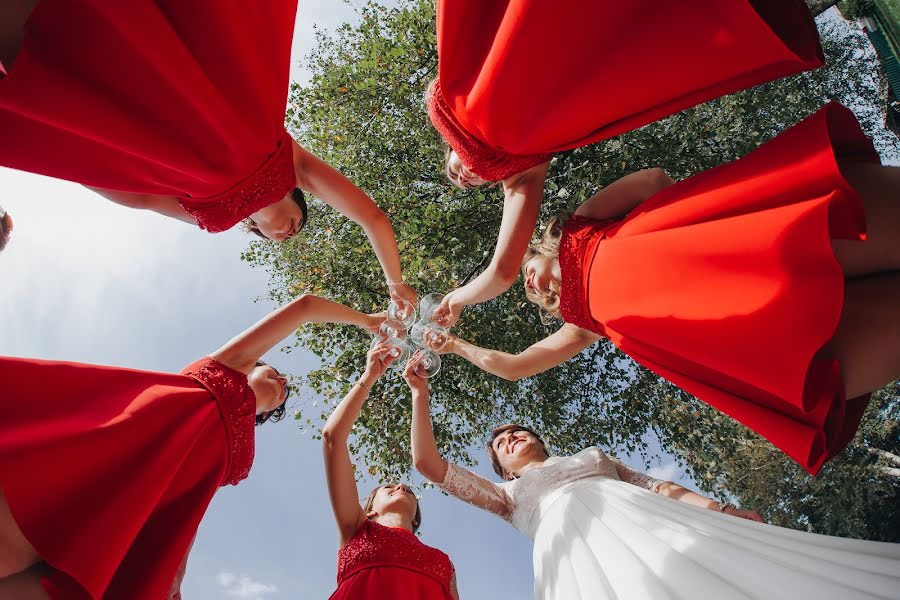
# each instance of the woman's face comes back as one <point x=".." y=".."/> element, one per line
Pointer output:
<point x="269" y="387"/>
<point x="515" y="448"/>
<point x="279" y="221"/>
<point x="540" y="272"/>
<point x="397" y="498"/>
<point x="460" y="175"/>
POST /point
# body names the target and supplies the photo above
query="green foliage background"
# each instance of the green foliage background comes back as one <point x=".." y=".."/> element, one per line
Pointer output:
<point x="363" y="111"/>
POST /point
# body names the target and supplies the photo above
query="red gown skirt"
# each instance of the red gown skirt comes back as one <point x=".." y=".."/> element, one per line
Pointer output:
<point x="726" y="284"/>
<point x="522" y="78"/>
<point x="181" y="98"/>
<point x="108" y="471"/>
<point x="390" y="562"/>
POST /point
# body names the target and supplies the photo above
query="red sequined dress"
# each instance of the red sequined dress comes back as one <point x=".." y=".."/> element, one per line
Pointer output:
<point x="521" y="79"/>
<point x="108" y="471"/>
<point x="726" y="284"/>
<point x="391" y="562"/>
<point x="165" y="97"/>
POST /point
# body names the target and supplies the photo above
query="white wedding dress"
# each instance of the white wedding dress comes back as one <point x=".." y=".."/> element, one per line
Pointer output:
<point x="600" y="532"/>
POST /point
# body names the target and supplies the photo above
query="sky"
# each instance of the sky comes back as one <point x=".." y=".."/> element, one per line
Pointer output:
<point x="86" y="280"/>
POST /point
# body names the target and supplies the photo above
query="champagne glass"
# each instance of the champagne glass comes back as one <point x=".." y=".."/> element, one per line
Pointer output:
<point x="399" y="350"/>
<point x="402" y="311"/>
<point x="427" y="305"/>
<point x="428" y="363"/>
<point x="390" y="328"/>
<point x="426" y="331"/>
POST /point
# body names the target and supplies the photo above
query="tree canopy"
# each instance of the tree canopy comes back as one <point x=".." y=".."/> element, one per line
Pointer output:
<point x="363" y="111"/>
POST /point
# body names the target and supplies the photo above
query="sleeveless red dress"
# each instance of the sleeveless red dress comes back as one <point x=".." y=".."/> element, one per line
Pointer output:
<point x="391" y="562"/>
<point x="521" y="79"/>
<point x="726" y="284"/>
<point x="108" y="471"/>
<point x="169" y="97"/>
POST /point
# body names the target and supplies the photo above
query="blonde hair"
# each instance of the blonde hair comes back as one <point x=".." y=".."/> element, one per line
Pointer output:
<point x="547" y="246"/>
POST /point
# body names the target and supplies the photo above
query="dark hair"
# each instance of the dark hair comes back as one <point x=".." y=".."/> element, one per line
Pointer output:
<point x="6" y="226"/>
<point x="417" y="520"/>
<point x="495" y="433"/>
<point x="298" y="197"/>
<point x="277" y="413"/>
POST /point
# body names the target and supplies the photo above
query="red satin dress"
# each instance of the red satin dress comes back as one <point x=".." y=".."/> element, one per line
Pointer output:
<point x="108" y="471"/>
<point x="391" y="562"/>
<point x="726" y="284"/>
<point x="170" y="97"/>
<point x="521" y="79"/>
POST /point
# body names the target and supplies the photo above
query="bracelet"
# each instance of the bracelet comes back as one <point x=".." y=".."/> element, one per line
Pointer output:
<point x="723" y="506"/>
<point x="367" y="388"/>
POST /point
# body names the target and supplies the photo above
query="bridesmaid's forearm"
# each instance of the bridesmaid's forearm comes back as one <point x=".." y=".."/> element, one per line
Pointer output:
<point x="381" y="236"/>
<point x="493" y="361"/>
<point x="426" y="458"/>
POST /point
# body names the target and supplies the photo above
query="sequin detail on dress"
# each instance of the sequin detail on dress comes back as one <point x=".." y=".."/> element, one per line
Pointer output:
<point x="237" y="403"/>
<point x="267" y="185"/>
<point x="488" y="162"/>
<point x="377" y="545"/>
<point x="579" y="234"/>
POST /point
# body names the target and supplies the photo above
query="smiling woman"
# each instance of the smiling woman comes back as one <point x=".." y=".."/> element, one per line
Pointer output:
<point x="189" y="432"/>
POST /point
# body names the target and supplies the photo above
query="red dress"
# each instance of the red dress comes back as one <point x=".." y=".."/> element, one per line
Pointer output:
<point x="108" y="471"/>
<point x="391" y="562"/>
<point x="520" y="79"/>
<point x="170" y="97"/>
<point x="726" y="284"/>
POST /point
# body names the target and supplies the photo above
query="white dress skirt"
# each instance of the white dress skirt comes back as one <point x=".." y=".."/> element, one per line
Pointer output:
<point x="601" y="532"/>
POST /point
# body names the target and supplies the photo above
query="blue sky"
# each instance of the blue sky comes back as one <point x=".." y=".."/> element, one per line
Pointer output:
<point x="90" y="281"/>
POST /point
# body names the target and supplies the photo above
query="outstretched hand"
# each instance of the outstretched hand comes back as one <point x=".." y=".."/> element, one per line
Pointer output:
<point x="402" y="291"/>
<point x="416" y="382"/>
<point x="374" y="322"/>
<point x="750" y="515"/>
<point x="448" y="311"/>
<point x="438" y="345"/>
<point x="378" y="359"/>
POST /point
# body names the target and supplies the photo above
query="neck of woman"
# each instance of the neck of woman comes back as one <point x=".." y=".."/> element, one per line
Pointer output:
<point x="394" y="520"/>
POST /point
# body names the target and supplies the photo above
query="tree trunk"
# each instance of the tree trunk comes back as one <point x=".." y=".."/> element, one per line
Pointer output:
<point x="817" y="7"/>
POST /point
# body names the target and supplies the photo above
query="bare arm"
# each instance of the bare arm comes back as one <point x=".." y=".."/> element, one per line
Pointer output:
<point x="246" y="348"/>
<point x="339" y="472"/>
<point x="623" y="195"/>
<point x="425" y="455"/>
<point x="454" y="590"/>
<point x="550" y="352"/>
<point x="521" y="206"/>
<point x="165" y="205"/>
<point x="332" y="187"/>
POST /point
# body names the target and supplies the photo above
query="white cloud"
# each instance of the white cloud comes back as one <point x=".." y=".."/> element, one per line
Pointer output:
<point x="667" y="472"/>
<point x="241" y="586"/>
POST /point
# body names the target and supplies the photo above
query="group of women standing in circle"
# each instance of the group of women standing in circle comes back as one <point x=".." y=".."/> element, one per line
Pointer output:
<point x="767" y="287"/>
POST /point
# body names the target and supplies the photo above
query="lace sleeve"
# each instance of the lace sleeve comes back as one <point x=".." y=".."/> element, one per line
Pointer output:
<point x="628" y="475"/>
<point x="476" y="490"/>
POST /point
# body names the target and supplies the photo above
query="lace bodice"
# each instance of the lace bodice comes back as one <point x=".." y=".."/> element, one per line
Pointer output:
<point x="375" y="545"/>
<point x="579" y="241"/>
<point x="517" y="501"/>
<point x="237" y="403"/>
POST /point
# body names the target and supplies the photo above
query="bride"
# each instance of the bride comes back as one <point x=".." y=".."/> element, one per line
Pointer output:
<point x="602" y="530"/>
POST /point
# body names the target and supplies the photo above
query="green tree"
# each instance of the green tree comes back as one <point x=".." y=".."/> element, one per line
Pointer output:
<point x="363" y="111"/>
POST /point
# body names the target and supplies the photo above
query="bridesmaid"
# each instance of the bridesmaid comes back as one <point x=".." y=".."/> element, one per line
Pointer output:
<point x="176" y="107"/>
<point x="602" y="530"/>
<point x="746" y="285"/>
<point x="104" y="481"/>
<point x="380" y="555"/>
<point x="519" y="80"/>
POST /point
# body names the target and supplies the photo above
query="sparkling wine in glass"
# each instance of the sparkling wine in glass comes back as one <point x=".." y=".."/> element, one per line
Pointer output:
<point x="428" y="364"/>
<point x="399" y="350"/>
<point x="426" y="331"/>
<point x="402" y="311"/>
<point x="390" y="328"/>
<point x="427" y="305"/>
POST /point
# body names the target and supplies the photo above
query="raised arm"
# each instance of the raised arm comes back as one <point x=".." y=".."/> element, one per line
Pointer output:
<point x="332" y="187"/>
<point x="165" y="205"/>
<point x="246" y="348"/>
<point x="521" y="206"/>
<point x="339" y="472"/>
<point x="680" y="493"/>
<point x="453" y="479"/>
<point x="550" y="352"/>
<point x="623" y="195"/>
